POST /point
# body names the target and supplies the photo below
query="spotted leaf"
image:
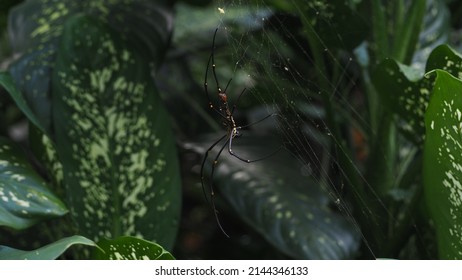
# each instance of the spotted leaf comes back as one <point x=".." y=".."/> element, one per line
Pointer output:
<point x="48" y="252"/>
<point x="130" y="248"/>
<point x="406" y="94"/>
<point x="442" y="167"/>
<point x="113" y="137"/>
<point x="35" y="29"/>
<point x="447" y="59"/>
<point x="406" y="91"/>
<point x="25" y="198"/>
<point x="279" y="199"/>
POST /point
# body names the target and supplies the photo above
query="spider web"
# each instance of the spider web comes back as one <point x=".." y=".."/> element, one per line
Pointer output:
<point x="268" y="54"/>
<point x="306" y="132"/>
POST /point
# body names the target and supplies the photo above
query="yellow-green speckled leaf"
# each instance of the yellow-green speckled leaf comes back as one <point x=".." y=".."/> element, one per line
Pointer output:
<point x="405" y="93"/>
<point x="442" y="165"/>
<point x="113" y="137"/>
<point x="130" y="248"/>
<point x="25" y="198"/>
<point x="35" y="28"/>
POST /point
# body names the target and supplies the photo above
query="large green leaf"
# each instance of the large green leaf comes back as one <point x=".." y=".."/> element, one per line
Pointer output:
<point x="35" y="28"/>
<point x="278" y="198"/>
<point x="130" y="248"/>
<point x="442" y="170"/>
<point x="113" y="137"/>
<point x="25" y="197"/>
<point x="49" y="252"/>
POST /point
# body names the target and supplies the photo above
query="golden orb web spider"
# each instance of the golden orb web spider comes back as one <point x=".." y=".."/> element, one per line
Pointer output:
<point x="232" y="130"/>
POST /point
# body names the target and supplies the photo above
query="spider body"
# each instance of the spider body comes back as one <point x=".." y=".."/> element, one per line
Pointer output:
<point x="232" y="129"/>
<point x="224" y="99"/>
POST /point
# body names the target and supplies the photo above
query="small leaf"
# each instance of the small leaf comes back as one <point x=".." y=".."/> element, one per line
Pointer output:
<point x="445" y="58"/>
<point x="113" y="137"/>
<point x="278" y="198"/>
<point x="49" y="252"/>
<point x="442" y="167"/>
<point x="25" y="198"/>
<point x="130" y="248"/>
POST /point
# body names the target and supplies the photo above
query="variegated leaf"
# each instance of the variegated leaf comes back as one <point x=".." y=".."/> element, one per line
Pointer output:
<point x="130" y="248"/>
<point x="442" y="168"/>
<point x="36" y="26"/>
<point x="113" y="137"/>
<point x="25" y="198"/>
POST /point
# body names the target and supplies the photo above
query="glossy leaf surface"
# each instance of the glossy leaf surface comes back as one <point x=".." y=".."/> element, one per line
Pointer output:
<point x="25" y="198"/>
<point x="49" y="252"/>
<point x="130" y="248"/>
<point x="9" y="85"/>
<point x="442" y="169"/>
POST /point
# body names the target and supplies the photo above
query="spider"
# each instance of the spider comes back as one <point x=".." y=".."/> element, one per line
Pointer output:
<point x="232" y="129"/>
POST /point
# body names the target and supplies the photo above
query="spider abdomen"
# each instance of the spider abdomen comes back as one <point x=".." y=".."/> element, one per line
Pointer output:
<point x="223" y="97"/>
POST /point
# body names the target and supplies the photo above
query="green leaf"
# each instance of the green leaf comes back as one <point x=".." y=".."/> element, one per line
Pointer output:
<point x="445" y="58"/>
<point x="442" y="167"/>
<point x="7" y="82"/>
<point x="146" y="24"/>
<point x="406" y="94"/>
<point x="49" y="252"/>
<point x="113" y="137"/>
<point x="130" y="248"/>
<point x="406" y="91"/>
<point x="35" y="29"/>
<point x="278" y="198"/>
<point x="406" y="39"/>
<point x="25" y="198"/>
<point x="426" y="26"/>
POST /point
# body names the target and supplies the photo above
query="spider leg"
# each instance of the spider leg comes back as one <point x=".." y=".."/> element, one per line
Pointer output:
<point x="231" y="152"/>
<point x="235" y="133"/>
<point x="203" y="164"/>
<point x="213" y="61"/>
<point x="212" y="193"/>
<point x="237" y="101"/>
<point x="255" y="122"/>
<point x="226" y="88"/>
<point x="207" y="92"/>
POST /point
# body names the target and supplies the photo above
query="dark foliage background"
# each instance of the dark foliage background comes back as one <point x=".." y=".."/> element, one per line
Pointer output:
<point x="104" y="123"/>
